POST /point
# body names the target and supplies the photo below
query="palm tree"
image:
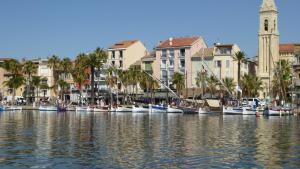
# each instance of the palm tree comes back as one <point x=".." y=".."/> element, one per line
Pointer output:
<point x="229" y="85"/>
<point x="282" y="79"/>
<point x="178" y="81"/>
<point x="29" y="68"/>
<point x="239" y="57"/>
<point x="14" y="83"/>
<point x="94" y="61"/>
<point x="63" y="87"/>
<point x="251" y="85"/>
<point x="111" y="80"/>
<point x="134" y="76"/>
<point x="212" y="83"/>
<point x="16" y="80"/>
<point x="36" y="82"/>
<point x="65" y="66"/>
<point x="79" y="78"/>
<point x="54" y="63"/>
<point x="201" y="80"/>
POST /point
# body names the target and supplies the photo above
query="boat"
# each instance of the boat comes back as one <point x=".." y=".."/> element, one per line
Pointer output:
<point x="12" y="108"/>
<point x="204" y="110"/>
<point x="1" y="108"/>
<point x="231" y="110"/>
<point x="277" y="111"/>
<point x="157" y="109"/>
<point x="102" y="109"/>
<point x="140" y="109"/>
<point x="174" y="110"/>
<point x="249" y="111"/>
<point x="123" y="109"/>
<point x="81" y="108"/>
<point x="48" y="108"/>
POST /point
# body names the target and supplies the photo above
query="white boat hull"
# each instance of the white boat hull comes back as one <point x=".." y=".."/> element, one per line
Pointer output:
<point x="48" y="108"/>
<point x="123" y="110"/>
<point x="140" y="110"/>
<point x="232" y="110"/>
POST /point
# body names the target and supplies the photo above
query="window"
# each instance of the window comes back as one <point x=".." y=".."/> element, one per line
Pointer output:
<point x="218" y="63"/>
<point x="182" y="52"/>
<point x="113" y="63"/>
<point x="266" y="25"/>
<point x="182" y="63"/>
<point x="121" y="63"/>
<point x="163" y="64"/>
<point x="121" y="54"/>
<point x="171" y="53"/>
<point x="113" y="55"/>
<point x="274" y="24"/>
<point x="171" y="63"/>
<point x="164" y="53"/>
<point x="227" y="63"/>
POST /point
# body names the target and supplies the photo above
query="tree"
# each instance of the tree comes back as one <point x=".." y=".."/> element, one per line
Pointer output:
<point x="134" y="77"/>
<point x="212" y="83"/>
<point x="111" y="80"/>
<point x="54" y="64"/>
<point x="251" y="85"/>
<point x="16" y="80"/>
<point x="63" y="87"/>
<point x="94" y="61"/>
<point x="178" y="81"/>
<point x="65" y="66"/>
<point x="282" y="79"/>
<point x="239" y="57"/>
<point x="29" y="68"/>
<point x="201" y="80"/>
<point x="14" y="83"/>
<point x="229" y="85"/>
<point x="79" y="78"/>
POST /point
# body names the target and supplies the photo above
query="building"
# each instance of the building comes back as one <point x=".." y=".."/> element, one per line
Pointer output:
<point x="125" y="53"/>
<point x="174" y="55"/>
<point x="46" y="74"/>
<point x="219" y="61"/>
<point x="268" y="44"/>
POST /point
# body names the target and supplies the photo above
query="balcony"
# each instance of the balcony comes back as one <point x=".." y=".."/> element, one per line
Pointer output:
<point x="296" y="66"/>
<point x="182" y="55"/>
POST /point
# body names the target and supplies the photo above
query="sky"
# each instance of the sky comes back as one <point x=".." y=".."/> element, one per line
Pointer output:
<point x="41" y="28"/>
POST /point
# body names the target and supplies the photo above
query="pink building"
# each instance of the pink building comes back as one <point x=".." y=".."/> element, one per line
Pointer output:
<point x="174" y="55"/>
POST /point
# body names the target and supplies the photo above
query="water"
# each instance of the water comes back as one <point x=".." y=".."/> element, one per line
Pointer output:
<point x="79" y="140"/>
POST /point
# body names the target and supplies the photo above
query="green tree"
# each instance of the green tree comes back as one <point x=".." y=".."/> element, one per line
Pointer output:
<point x="201" y="80"/>
<point x="239" y="57"/>
<point x="79" y="78"/>
<point x="14" y="83"/>
<point x="251" y="85"/>
<point x="178" y="81"/>
<point x="63" y="88"/>
<point x="212" y="84"/>
<point x="282" y="79"/>
<point x="54" y="63"/>
<point x="94" y="61"/>
<point x="229" y="85"/>
<point x="29" y="68"/>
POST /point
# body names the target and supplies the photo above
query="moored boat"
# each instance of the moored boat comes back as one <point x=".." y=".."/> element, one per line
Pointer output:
<point x="232" y="110"/>
<point x="48" y="108"/>
<point x="140" y="109"/>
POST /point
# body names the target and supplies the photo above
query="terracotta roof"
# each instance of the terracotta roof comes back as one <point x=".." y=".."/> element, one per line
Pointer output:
<point x="178" y="42"/>
<point x="149" y="56"/>
<point x="289" y="47"/>
<point x="123" y="44"/>
<point x="207" y="52"/>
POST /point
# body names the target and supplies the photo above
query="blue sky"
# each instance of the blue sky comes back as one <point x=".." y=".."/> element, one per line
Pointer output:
<point x="40" y="28"/>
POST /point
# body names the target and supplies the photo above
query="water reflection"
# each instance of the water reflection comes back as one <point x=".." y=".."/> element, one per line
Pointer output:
<point x="104" y="140"/>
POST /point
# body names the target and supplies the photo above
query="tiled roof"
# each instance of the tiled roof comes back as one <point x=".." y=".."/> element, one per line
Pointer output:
<point x="3" y="59"/>
<point x="123" y="44"/>
<point x="289" y="47"/>
<point x="224" y="45"/>
<point x="178" y="42"/>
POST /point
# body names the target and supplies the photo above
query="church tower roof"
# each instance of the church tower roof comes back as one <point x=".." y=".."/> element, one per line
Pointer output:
<point x="268" y="5"/>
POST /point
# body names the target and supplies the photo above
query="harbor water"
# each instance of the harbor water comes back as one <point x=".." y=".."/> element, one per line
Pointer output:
<point x="32" y="139"/>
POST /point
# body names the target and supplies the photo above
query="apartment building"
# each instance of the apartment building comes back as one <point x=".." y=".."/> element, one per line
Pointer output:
<point x="174" y="55"/>
<point x="219" y="61"/>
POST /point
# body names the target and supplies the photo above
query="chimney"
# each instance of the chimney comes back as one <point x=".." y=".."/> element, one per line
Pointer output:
<point x="171" y="41"/>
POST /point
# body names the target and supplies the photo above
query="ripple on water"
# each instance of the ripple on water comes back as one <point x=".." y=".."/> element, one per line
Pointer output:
<point x="79" y="140"/>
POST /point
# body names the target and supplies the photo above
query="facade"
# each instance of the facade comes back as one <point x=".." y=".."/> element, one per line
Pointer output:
<point x="174" y="55"/>
<point x="125" y="53"/>
<point x="268" y="44"/>
<point x="46" y="73"/>
<point x="219" y="61"/>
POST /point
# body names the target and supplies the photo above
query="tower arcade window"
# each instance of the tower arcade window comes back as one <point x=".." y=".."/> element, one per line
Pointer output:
<point x="266" y="25"/>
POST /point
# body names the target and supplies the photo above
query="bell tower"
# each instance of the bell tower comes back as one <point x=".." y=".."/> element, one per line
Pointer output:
<point x="268" y="44"/>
